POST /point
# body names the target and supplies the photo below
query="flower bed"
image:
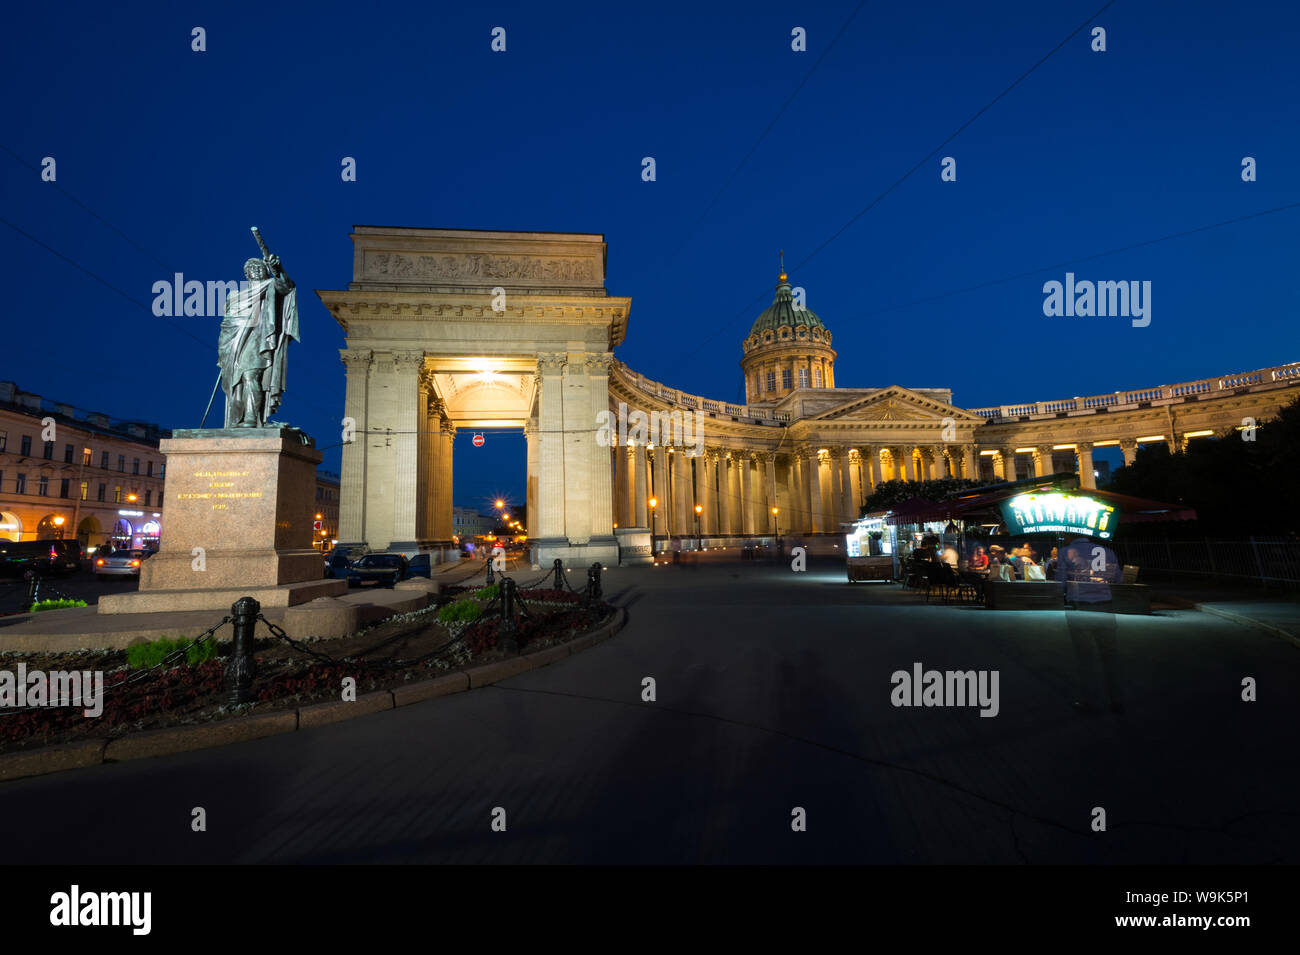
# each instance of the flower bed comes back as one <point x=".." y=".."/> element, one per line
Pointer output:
<point x="415" y="646"/>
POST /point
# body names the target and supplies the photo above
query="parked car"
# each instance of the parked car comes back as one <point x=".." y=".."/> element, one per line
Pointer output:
<point x="384" y="570"/>
<point x="340" y="561"/>
<point x="40" y="556"/>
<point x="420" y="566"/>
<point x="121" y="563"/>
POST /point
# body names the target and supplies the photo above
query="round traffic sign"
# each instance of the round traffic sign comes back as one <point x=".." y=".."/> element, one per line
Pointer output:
<point x="478" y="440"/>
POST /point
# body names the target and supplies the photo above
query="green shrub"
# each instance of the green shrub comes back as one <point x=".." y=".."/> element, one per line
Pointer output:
<point x="462" y="610"/>
<point x="143" y="656"/>
<point x="56" y="605"/>
<point x="486" y="594"/>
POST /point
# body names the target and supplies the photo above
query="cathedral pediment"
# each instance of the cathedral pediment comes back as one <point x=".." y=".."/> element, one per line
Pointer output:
<point x="895" y="403"/>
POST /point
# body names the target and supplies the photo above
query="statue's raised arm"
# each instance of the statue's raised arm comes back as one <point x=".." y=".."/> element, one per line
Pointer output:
<point x="253" y="347"/>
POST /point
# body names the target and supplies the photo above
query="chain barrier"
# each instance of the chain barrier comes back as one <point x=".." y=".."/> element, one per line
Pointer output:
<point x="144" y="674"/>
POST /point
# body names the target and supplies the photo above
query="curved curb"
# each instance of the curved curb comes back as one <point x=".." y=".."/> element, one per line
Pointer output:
<point x="183" y="739"/>
<point x="1250" y="622"/>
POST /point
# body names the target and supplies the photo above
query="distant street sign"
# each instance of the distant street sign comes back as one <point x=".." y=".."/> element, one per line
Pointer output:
<point x="318" y="525"/>
<point x="478" y="440"/>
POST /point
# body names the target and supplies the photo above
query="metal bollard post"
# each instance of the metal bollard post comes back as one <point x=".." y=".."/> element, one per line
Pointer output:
<point x="33" y="589"/>
<point x="593" y="584"/>
<point x="559" y="573"/>
<point x="490" y="577"/>
<point x="506" y="635"/>
<point x="242" y="667"/>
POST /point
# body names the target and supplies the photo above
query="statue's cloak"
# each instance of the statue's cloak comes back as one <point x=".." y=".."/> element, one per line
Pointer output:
<point x="259" y="320"/>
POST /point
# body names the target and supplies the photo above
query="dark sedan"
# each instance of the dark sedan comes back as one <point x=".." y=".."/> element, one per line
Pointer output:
<point x="383" y="570"/>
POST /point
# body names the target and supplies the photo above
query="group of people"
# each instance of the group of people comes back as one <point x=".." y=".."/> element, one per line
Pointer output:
<point x="1022" y="562"/>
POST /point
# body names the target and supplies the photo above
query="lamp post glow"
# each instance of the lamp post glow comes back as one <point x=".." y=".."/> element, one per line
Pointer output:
<point x="653" y="502"/>
<point x="699" y="541"/>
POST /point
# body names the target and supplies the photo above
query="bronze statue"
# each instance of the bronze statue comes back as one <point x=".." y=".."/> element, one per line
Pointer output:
<point x="253" y="348"/>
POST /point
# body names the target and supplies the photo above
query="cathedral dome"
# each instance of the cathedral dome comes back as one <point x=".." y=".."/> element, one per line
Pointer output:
<point x="782" y="313"/>
<point x="787" y="348"/>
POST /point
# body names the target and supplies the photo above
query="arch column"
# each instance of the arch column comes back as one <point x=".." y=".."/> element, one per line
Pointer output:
<point x="407" y="418"/>
<point x="352" y="493"/>
<point x="550" y="450"/>
<point x="530" y="490"/>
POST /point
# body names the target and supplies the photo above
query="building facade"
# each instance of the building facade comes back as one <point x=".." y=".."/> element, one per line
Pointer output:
<point x="66" y="473"/>
<point x="325" y="533"/>
<point x="449" y="328"/>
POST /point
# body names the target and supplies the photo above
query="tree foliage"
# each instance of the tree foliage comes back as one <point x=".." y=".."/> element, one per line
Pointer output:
<point x="1238" y="486"/>
<point x="892" y="493"/>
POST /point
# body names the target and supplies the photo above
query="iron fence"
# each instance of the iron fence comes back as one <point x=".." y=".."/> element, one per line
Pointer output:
<point x="1261" y="560"/>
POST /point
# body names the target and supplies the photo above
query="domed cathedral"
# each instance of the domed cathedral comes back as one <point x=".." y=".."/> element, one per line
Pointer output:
<point x="788" y="347"/>
<point x="614" y="457"/>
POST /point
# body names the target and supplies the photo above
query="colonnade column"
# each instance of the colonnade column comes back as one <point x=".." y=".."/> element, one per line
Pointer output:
<point x="873" y="468"/>
<point x="641" y="486"/>
<point x="767" y="461"/>
<point x="970" y="462"/>
<point x="618" y="460"/>
<point x="708" y="463"/>
<point x="940" y="463"/>
<point x="735" y="525"/>
<point x="661" y="520"/>
<point x="813" y="486"/>
<point x="1129" y="447"/>
<point x="1042" y="460"/>
<point x="682" y="513"/>
<point x="1087" y="476"/>
<point x="909" y="463"/>
<point x="844" y="504"/>
<point x="746" y="494"/>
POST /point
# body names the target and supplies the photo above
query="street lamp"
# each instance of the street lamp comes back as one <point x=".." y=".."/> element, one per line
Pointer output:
<point x="699" y="541"/>
<point x="776" y="527"/>
<point x="653" y="502"/>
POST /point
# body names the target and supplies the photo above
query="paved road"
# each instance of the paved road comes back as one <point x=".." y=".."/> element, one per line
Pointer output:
<point x="773" y="692"/>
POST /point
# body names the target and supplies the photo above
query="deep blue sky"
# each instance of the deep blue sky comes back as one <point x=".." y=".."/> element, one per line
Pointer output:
<point x="183" y="151"/>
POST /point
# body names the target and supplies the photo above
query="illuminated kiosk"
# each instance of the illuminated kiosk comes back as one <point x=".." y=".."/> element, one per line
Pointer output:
<point x="1056" y="509"/>
<point x="869" y="549"/>
<point x="241" y="510"/>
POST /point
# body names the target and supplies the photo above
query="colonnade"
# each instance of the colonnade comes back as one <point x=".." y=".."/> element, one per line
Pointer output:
<point x="732" y="492"/>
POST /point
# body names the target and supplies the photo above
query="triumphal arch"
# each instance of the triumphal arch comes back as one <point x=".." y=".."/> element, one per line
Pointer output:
<point x="451" y="328"/>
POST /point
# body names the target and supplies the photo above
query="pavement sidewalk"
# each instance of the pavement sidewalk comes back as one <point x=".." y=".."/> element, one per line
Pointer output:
<point x="1278" y="614"/>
